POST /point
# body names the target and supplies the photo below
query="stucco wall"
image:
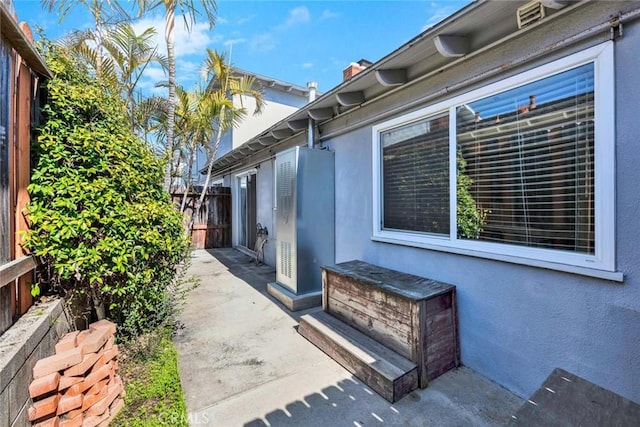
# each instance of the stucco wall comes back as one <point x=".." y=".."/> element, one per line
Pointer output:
<point x="272" y="112"/>
<point x="264" y="201"/>
<point x="518" y="323"/>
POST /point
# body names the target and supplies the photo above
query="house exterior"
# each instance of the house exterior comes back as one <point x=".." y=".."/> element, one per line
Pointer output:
<point x="496" y="151"/>
<point x="280" y="100"/>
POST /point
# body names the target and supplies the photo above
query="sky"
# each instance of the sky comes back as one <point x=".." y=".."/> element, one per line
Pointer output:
<point x="292" y="41"/>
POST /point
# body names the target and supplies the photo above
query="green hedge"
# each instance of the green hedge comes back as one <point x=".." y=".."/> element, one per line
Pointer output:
<point x="101" y="223"/>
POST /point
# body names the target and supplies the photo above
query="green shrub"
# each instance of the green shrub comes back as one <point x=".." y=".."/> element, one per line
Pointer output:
<point x="106" y="232"/>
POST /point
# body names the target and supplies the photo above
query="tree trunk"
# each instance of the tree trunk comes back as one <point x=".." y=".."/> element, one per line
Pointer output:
<point x="187" y="183"/>
<point x="98" y="305"/>
<point x="171" y="110"/>
<point x="196" y="208"/>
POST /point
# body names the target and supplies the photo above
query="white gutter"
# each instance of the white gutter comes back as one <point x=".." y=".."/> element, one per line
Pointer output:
<point x="478" y="77"/>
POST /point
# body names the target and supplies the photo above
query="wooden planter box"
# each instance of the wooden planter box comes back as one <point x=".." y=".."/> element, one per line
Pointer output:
<point x="414" y="316"/>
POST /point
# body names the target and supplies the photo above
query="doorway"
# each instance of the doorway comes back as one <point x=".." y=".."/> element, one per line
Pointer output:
<point x="247" y="211"/>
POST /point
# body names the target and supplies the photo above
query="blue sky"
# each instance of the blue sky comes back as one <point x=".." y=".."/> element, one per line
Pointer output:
<point x="293" y="41"/>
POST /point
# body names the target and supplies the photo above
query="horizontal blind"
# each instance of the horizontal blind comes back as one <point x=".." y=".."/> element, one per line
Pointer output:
<point x="416" y="176"/>
<point x="530" y="155"/>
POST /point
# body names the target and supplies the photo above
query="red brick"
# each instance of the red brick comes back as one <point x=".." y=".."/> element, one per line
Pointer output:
<point x="81" y="368"/>
<point x="108" y="355"/>
<point x="118" y="380"/>
<point x="44" y="407"/>
<point x="109" y="344"/>
<point x="44" y="385"/>
<point x="57" y="362"/>
<point x="49" y="422"/>
<point x="75" y="413"/>
<point x="91" y="399"/>
<point x="72" y="422"/>
<point x="98" y="365"/>
<point x="95" y="389"/>
<point x="68" y="402"/>
<point x="95" y="340"/>
<point x="67" y="381"/>
<point x="104" y="324"/>
<point x="89" y="380"/>
<point x="102" y="405"/>
<point x="94" y="421"/>
<point x="82" y="335"/>
<point x="116" y="407"/>
<point x="67" y="342"/>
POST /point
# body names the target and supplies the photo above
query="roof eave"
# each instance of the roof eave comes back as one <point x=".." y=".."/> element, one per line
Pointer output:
<point x="230" y="160"/>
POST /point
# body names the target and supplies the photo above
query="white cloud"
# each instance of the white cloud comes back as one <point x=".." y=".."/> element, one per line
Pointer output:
<point x="245" y="19"/>
<point x="186" y="43"/>
<point x="298" y="15"/>
<point x="221" y="20"/>
<point x="232" y="42"/>
<point x="306" y="65"/>
<point x="151" y="76"/>
<point x="327" y="14"/>
<point x="437" y="13"/>
<point x="188" y="73"/>
<point x="263" y="43"/>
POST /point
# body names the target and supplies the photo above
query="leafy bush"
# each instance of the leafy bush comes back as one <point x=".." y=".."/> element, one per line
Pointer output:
<point x="471" y="218"/>
<point x="106" y="232"/>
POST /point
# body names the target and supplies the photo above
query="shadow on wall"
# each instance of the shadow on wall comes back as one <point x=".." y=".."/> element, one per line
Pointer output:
<point x="346" y="403"/>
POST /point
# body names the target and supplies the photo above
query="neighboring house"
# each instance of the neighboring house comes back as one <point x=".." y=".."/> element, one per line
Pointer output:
<point x="280" y="100"/>
<point x="500" y="159"/>
<point x="22" y="72"/>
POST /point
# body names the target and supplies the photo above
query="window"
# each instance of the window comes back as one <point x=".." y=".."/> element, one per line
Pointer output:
<point x="416" y="176"/>
<point x="520" y="170"/>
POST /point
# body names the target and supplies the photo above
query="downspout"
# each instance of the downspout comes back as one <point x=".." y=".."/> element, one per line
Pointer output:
<point x="313" y="87"/>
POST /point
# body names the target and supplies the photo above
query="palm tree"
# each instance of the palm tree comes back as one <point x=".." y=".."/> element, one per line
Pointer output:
<point x="150" y="116"/>
<point x="223" y="86"/>
<point x="131" y="54"/>
<point x="189" y="13"/>
<point x="104" y="13"/>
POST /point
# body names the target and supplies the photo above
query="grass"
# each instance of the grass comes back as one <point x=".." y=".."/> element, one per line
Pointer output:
<point x="149" y="369"/>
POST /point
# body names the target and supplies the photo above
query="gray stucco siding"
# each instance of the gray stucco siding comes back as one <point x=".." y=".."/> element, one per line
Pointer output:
<point x="264" y="206"/>
<point x="518" y="323"/>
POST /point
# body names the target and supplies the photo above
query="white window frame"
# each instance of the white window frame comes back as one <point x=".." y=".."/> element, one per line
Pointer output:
<point x="602" y="262"/>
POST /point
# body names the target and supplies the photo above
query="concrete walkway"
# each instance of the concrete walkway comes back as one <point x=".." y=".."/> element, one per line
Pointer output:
<point x="242" y="363"/>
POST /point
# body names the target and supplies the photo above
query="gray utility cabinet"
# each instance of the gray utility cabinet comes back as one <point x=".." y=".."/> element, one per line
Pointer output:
<point x="305" y="212"/>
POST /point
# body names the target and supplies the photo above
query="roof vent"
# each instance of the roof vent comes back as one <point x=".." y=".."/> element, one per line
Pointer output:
<point x="530" y="13"/>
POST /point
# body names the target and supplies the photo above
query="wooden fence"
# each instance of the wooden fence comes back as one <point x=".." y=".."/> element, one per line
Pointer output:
<point x="22" y="72"/>
<point x="212" y="225"/>
<point x="15" y="292"/>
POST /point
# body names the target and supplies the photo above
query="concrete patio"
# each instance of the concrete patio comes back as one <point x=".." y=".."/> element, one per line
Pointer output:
<point x="242" y="363"/>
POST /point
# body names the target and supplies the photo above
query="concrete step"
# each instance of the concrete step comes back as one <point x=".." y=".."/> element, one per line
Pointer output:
<point x="382" y="369"/>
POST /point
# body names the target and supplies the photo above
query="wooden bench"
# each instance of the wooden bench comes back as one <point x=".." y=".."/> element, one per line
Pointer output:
<point x="414" y="316"/>
<point x="566" y="400"/>
<point x="386" y="372"/>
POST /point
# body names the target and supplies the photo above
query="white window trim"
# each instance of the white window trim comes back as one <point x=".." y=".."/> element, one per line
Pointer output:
<point x="602" y="263"/>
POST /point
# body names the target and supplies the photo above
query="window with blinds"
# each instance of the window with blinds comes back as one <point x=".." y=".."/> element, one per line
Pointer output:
<point x="415" y="171"/>
<point x="529" y="153"/>
<point x="520" y="170"/>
